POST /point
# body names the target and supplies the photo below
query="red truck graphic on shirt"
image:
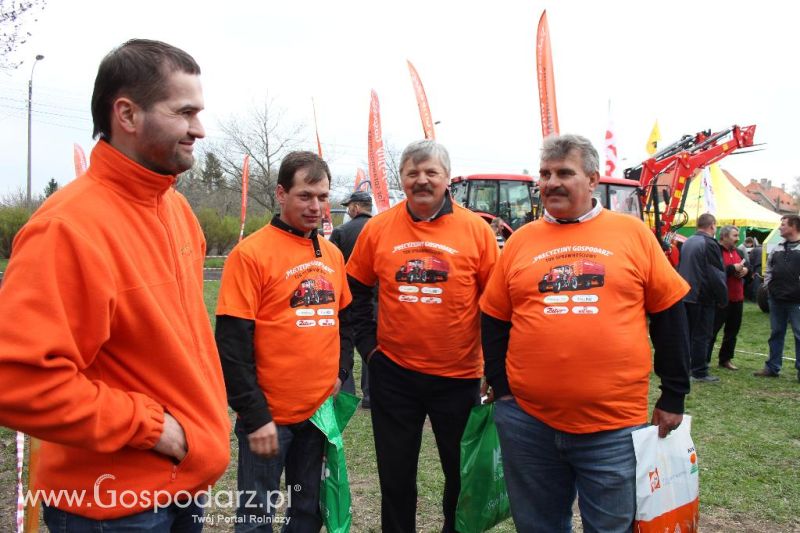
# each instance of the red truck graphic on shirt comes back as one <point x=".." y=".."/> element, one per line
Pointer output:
<point x="580" y="275"/>
<point x="313" y="291"/>
<point x="425" y="270"/>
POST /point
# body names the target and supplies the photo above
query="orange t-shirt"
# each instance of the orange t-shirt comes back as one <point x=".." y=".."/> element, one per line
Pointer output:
<point x="577" y="296"/>
<point x="430" y="276"/>
<point x="274" y="278"/>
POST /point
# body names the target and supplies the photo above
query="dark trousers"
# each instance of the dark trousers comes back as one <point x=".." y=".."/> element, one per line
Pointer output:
<point x="729" y="316"/>
<point x="401" y="399"/>
<point x="349" y="384"/>
<point x="701" y="325"/>
<point x="258" y="481"/>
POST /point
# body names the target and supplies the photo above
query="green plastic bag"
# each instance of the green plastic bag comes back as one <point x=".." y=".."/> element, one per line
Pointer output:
<point x="483" y="501"/>
<point x="334" y="495"/>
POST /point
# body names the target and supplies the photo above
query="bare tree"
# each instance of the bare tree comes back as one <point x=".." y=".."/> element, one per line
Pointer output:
<point x="266" y="136"/>
<point x="14" y="14"/>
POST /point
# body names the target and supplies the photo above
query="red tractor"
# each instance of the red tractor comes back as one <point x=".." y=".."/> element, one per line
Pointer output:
<point x="515" y="197"/>
<point x="580" y="275"/>
<point x="313" y="291"/>
<point x="425" y="270"/>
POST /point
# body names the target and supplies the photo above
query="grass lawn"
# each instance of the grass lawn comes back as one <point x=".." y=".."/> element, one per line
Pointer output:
<point x="3" y="264"/>
<point x="746" y="430"/>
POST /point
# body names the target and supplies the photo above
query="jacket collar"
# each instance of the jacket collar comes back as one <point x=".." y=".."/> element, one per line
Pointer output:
<point x="596" y="209"/>
<point x="126" y="176"/>
<point x="283" y="226"/>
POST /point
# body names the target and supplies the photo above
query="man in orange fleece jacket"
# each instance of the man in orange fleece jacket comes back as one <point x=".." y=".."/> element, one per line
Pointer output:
<point x="101" y="313"/>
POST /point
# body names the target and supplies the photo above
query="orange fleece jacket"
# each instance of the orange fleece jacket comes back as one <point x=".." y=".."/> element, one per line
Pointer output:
<point x="102" y="329"/>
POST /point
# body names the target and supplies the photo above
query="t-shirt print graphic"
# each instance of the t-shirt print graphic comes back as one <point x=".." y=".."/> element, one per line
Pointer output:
<point x="422" y="270"/>
<point x="312" y="291"/>
<point x="580" y="275"/>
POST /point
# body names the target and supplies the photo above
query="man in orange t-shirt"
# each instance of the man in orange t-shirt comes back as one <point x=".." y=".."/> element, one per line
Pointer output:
<point x="430" y="259"/>
<point x="564" y="333"/>
<point x="278" y="337"/>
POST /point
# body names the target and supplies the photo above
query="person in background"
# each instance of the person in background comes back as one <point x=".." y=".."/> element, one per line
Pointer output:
<point x="497" y="228"/>
<point x="737" y="268"/>
<point x="701" y="267"/>
<point x="782" y="280"/>
<point x="359" y="209"/>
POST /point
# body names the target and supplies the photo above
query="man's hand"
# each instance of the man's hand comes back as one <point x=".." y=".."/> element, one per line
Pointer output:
<point x="486" y="391"/>
<point x="264" y="440"/>
<point x="337" y="387"/>
<point x="665" y="421"/>
<point x="172" y="442"/>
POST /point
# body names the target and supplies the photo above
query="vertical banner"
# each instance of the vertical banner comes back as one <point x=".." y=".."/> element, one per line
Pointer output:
<point x="361" y="180"/>
<point x="245" y="179"/>
<point x="611" y="146"/>
<point x="79" y="158"/>
<point x="327" y="219"/>
<point x="31" y="509"/>
<point x="422" y="102"/>
<point x="652" y="141"/>
<point x="708" y="189"/>
<point x="20" y="489"/>
<point x="376" y="156"/>
<point x="545" y="77"/>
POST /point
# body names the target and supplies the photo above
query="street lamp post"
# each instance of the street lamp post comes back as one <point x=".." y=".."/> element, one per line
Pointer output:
<point x="39" y="57"/>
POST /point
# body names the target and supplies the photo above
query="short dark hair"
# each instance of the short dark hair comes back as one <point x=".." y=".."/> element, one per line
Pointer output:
<point x="792" y="220"/>
<point x="706" y="220"/>
<point x="139" y="70"/>
<point x="294" y="161"/>
<point x="558" y="147"/>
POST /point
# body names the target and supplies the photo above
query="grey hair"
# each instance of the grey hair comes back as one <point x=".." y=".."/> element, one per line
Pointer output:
<point x="726" y="230"/>
<point x="558" y="147"/>
<point x="419" y="151"/>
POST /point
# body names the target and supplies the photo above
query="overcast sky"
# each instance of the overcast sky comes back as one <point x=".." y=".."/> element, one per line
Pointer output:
<point x="691" y="65"/>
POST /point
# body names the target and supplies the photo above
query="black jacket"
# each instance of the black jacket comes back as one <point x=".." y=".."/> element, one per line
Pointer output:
<point x="701" y="267"/>
<point x="344" y="237"/>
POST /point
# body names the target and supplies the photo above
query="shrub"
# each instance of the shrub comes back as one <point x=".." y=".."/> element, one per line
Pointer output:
<point x="11" y="220"/>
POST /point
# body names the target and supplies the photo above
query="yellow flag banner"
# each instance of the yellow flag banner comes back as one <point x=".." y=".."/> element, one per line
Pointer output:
<point x="376" y="155"/>
<point x="422" y="102"/>
<point x="652" y="141"/>
<point x="545" y="77"/>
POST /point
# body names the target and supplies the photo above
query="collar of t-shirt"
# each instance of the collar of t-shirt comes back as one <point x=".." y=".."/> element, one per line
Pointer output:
<point x="593" y="212"/>
<point x="446" y="209"/>
<point x="281" y="225"/>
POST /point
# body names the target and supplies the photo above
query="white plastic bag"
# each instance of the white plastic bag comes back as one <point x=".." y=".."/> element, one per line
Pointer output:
<point x="667" y="482"/>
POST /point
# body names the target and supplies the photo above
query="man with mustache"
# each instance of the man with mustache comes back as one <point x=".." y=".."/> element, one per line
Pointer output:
<point x="564" y="333"/>
<point x="430" y="259"/>
<point x="106" y="352"/>
<point x="278" y="336"/>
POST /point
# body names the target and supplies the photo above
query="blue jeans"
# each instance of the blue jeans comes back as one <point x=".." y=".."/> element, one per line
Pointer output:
<point x="301" y="448"/>
<point x="779" y="314"/>
<point x="545" y="468"/>
<point x="176" y="518"/>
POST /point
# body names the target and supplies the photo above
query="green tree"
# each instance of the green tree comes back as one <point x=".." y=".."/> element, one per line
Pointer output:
<point x="212" y="175"/>
<point x="52" y="186"/>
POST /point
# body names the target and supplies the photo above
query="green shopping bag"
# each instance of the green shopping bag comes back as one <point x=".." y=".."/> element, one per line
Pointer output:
<point x="334" y="495"/>
<point x="483" y="501"/>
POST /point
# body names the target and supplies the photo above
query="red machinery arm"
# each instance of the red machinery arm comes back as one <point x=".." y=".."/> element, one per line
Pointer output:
<point x="681" y="161"/>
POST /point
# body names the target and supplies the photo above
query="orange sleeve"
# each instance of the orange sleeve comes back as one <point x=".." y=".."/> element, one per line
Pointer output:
<point x="360" y="265"/>
<point x="346" y="298"/>
<point x="240" y="288"/>
<point x="495" y="300"/>
<point x="664" y="287"/>
<point x="57" y="306"/>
